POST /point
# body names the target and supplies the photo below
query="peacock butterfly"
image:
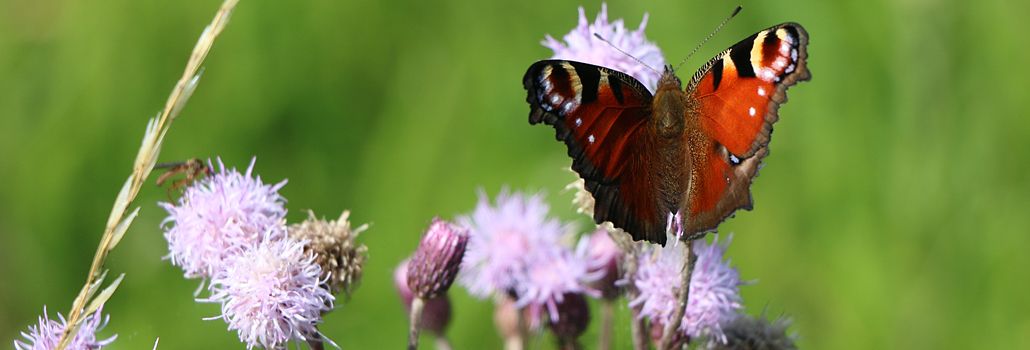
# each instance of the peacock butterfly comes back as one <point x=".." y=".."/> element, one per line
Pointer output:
<point x="650" y="158"/>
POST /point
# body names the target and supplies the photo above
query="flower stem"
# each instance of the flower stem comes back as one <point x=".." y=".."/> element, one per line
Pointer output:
<point x="415" y="320"/>
<point x="442" y="343"/>
<point x="677" y="318"/>
<point x="607" y="316"/>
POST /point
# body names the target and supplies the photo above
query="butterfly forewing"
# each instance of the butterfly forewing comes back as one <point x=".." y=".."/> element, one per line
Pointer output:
<point x="739" y="93"/>
<point x="602" y="116"/>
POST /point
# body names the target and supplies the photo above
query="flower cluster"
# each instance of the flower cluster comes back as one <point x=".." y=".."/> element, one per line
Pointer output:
<point x="273" y="282"/>
<point x="47" y="333"/>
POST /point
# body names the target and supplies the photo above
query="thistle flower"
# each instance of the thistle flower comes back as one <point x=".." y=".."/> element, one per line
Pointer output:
<point x="437" y="259"/>
<point x="436" y="315"/>
<point x="581" y="45"/>
<point x="501" y="240"/>
<point x="47" y="333"/>
<point x="218" y="213"/>
<point x="336" y="251"/>
<point x="551" y="273"/>
<point x="272" y="292"/>
<point x="714" y="288"/>
<point x="746" y="332"/>
<point x="604" y="258"/>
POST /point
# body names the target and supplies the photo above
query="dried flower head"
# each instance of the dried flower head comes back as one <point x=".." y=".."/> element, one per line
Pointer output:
<point x="581" y="45"/>
<point x="218" y="213"/>
<point x="437" y="259"/>
<point x="47" y="333"/>
<point x="335" y="248"/>
<point x="271" y="293"/>
<point x="436" y="314"/>
<point x="502" y="238"/>
<point x="746" y="332"/>
<point x="582" y="200"/>
<point x="714" y="288"/>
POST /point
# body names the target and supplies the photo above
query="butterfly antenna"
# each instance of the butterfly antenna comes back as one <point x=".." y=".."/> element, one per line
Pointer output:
<point x="734" y="14"/>
<point x="626" y="53"/>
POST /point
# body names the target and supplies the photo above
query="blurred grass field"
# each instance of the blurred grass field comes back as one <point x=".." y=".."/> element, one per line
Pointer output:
<point x="892" y="212"/>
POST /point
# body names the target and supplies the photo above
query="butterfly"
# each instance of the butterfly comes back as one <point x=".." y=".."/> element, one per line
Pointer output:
<point x="684" y="154"/>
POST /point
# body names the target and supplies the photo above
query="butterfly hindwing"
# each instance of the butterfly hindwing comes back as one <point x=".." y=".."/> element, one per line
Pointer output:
<point x="739" y="93"/>
<point x="601" y="115"/>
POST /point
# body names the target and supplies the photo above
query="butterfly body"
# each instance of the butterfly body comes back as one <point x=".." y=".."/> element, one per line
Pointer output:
<point x="678" y="154"/>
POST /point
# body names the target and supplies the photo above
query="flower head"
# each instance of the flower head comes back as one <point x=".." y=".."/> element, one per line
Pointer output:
<point x="437" y="259"/>
<point x="550" y="274"/>
<point x="271" y="293"/>
<point x="336" y="251"/>
<point x="581" y="45"/>
<point x="436" y="313"/>
<point x="714" y="288"/>
<point x="502" y="238"/>
<point x="218" y="213"/>
<point x="604" y="257"/>
<point x="47" y="333"/>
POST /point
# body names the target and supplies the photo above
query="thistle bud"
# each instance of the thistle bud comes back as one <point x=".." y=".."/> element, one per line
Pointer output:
<point x="572" y="319"/>
<point x="436" y="261"/>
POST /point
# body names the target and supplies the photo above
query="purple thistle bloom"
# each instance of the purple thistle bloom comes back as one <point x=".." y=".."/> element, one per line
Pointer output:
<point x="604" y="259"/>
<point x="47" y="333"/>
<point x="550" y="274"/>
<point x="501" y="240"/>
<point x="271" y="292"/>
<point x="218" y="213"/>
<point x="581" y="45"/>
<point x="437" y="259"/>
<point x="714" y="288"/>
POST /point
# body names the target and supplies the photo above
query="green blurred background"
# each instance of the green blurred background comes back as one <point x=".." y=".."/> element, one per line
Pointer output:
<point x="891" y="214"/>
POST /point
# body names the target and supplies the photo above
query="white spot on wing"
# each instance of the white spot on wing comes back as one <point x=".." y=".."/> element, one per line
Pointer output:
<point x="751" y="111"/>
<point x="568" y="107"/>
<point x="590" y="138"/>
<point x="579" y="121"/>
<point x="761" y="91"/>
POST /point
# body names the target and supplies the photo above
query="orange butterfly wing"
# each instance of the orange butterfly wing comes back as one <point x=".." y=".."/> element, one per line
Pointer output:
<point x="739" y="93"/>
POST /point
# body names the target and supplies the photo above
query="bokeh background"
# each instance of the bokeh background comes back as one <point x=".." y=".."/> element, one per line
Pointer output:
<point x="892" y="212"/>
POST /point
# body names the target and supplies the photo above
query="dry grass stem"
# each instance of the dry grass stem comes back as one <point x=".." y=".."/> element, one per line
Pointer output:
<point x="120" y="219"/>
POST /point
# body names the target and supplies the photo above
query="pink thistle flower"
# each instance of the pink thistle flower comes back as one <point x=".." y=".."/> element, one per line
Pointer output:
<point x="437" y="259"/>
<point x="271" y="292"/>
<point x="501" y="240"/>
<point x="581" y="45"/>
<point x="218" y="213"/>
<point x="604" y="258"/>
<point x="714" y="288"/>
<point x="552" y="273"/>
<point x="47" y="333"/>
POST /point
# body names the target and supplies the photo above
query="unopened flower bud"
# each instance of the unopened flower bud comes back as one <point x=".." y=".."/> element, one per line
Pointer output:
<point x="436" y="261"/>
